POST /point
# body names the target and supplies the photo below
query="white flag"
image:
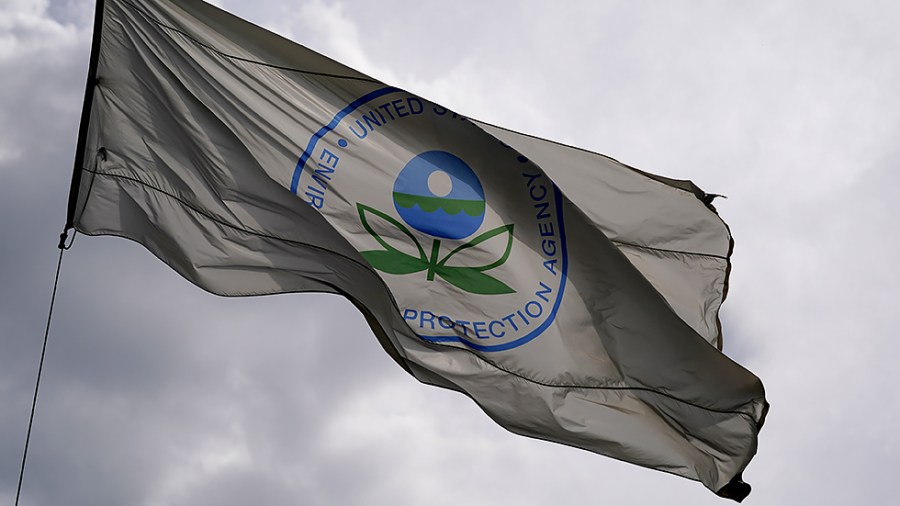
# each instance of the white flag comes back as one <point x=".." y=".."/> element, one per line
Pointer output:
<point x="575" y="299"/>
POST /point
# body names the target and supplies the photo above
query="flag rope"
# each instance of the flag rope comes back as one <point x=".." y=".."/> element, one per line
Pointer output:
<point x="37" y="384"/>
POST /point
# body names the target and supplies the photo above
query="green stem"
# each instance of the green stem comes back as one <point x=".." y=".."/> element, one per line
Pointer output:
<point x="435" y="250"/>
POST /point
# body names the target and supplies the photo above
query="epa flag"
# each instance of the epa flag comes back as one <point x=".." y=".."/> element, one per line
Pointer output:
<point x="575" y="299"/>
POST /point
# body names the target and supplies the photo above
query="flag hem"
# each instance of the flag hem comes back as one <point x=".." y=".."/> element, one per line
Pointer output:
<point x="90" y="85"/>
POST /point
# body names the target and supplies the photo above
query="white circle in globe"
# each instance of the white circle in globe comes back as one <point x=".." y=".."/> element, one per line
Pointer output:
<point x="439" y="183"/>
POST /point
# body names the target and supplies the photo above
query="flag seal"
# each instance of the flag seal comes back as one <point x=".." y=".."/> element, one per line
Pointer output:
<point x="474" y="256"/>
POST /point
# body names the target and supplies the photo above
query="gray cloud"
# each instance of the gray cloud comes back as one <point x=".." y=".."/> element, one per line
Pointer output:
<point x="157" y="393"/>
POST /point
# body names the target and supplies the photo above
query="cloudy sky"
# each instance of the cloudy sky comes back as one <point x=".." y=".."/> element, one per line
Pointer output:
<point x="156" y="393"/>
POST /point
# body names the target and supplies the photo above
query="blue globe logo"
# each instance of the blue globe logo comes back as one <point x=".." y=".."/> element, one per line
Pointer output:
<point x="438" y="194"/>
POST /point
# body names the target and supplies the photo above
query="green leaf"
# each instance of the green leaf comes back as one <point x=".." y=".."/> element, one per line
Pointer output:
<point x="363" y="210"/>
<point x="508" y="229"/>
<point x="394" y="262"/>
<point x="472" y="280"/>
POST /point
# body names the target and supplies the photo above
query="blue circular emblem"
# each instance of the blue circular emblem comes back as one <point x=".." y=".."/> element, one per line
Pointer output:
<point x="515" y="281"/>
<point x="438" y="194"/>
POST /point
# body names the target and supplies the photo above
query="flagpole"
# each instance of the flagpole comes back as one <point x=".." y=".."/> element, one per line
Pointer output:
<point x="91" y="83"/>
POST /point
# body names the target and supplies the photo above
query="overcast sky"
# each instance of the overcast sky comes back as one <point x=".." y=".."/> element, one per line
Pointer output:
<point x="156" y="393"/>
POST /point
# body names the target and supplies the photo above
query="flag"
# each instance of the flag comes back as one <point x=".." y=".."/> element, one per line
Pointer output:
<point x="572" y="297"/>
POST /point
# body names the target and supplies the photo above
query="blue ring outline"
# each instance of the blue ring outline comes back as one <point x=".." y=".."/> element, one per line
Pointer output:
<point x="335" y="121"/>
<point x="352" y="106"/>
<point x="543" y="326"/>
